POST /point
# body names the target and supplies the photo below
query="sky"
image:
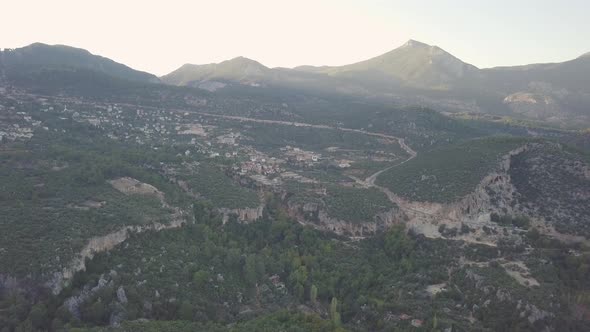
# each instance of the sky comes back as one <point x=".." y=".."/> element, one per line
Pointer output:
<point x="159" y="36"/>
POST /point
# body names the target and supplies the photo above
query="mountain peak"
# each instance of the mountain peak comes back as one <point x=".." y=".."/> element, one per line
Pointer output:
<point x="414" y="64"/>
<point x="415" y="43"/>
<point x="418" y="45"/>
<point x="241" y="66"/>
<point x="241" y="60"/>
<point x="236" y="69"/>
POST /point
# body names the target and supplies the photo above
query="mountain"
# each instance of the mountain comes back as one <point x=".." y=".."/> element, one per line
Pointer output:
<point x="427" y="75"/>
<point x="129" y="206"/>
<point x="414" y="64"/>
<point x="412" y="74"/>
<point x="236" y="69"/>
<point x="41" y="56"/>
<point x="552" y="91"/>
<point x="244" y="71"/>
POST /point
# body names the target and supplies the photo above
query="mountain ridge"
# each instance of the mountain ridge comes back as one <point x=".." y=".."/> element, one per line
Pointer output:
<point x="40" y="55"/>
<point x="419" y="73"/>
<point x="238" y="68"/>
<point x="415" y="73"/>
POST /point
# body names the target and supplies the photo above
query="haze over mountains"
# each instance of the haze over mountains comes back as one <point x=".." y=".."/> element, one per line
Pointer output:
<point x="425" y="74"/>
<point x="414" y="64"/>
<point x="236" y="197"/>
<point x="41" y="56"/>
<point x="413" y="74"/>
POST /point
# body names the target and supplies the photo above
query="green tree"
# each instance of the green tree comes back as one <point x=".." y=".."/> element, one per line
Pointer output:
<point x="200" y="278"/>
<point x="38" y="316"/>
<point x="534" y="235"/>
<point x="185" y="311"/>
<point x="250" y="269"/>
<point x="397" y="242"/>
<point x="334" y="314"/>
<point x="96" y="313"/>
<point x="313" y="294"/>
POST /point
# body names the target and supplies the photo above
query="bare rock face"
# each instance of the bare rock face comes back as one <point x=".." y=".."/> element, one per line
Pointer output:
<point x="109" y="241"/>
<point x="100" y="244"/>
<point x="541" y="181"/>
<point x="245" y="215"/>
<point x="315" y="215"/>
<point x="494" y="294"/>
<point x="494" y="194"/>
<point x="535" y="105"/>
<point x="535" y="314"/>
<point x="73" y="303"/>
<point x="121" y="296"/>
<point x="130" y="186"/>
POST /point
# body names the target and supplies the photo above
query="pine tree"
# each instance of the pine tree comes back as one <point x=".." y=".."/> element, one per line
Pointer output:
<point x="334" y="314"/>
<point x="313" y="295"/>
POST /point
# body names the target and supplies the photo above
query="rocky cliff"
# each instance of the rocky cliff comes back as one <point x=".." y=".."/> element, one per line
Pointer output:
<point x="100" y="244"/>
<point x="107" y="242"/>
<point x="245" y="215"/>
<point x="315" y="215"/>
<point x="517" y="187"/>
<point x="494" y="194"/>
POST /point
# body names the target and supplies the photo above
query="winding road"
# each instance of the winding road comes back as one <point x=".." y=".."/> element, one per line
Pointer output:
<point x="400" y="141"/>
<point x="369" y="181"/>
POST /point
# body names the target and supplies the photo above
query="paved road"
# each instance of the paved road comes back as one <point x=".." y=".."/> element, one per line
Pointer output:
<point x="369" y="181"/>
<point x="401" y="141"/>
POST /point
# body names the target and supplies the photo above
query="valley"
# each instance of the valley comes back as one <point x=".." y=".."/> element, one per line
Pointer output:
<point x="128" y="204"/>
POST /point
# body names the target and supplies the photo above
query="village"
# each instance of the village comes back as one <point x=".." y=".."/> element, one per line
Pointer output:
<point x="199" y="137"/>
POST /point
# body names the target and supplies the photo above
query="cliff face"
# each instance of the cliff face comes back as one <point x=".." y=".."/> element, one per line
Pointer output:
<point x="518" y="187"/>
<point x="95" y="245"/>
<point x="99" y="244"/>
<point x="495" y="192"/>
<point x="107" y="242"/>
<point x="245" y="215"/>
<point x="314" y="215"/>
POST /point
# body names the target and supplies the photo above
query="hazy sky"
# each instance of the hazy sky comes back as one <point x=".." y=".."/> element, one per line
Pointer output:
<point x="159" y="36"/>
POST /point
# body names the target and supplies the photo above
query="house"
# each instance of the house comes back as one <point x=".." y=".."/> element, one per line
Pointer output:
<point x="417" y="323"/>
<point x="404" y="316"/>
<point x="275" y="279"/>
